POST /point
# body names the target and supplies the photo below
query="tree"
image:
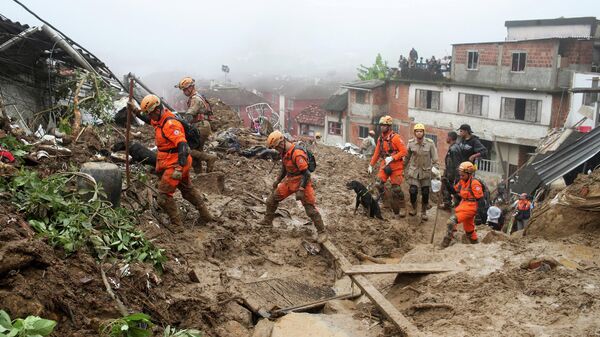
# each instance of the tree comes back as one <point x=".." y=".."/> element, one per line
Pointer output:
<point x="379" y="70"/>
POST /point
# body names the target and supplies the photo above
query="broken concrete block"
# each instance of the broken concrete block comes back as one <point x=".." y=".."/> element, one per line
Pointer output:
<point x="263" y="328"/>
<point x="494" y="236"/>
<point x="107" y="175"/>
<point x="303" y="324"/>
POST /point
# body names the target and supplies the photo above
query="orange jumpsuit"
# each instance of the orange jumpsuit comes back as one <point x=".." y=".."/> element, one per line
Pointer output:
<point x="295" y="161"/>
<point x="167" y="135"/>
<point x="397" y="151"/>
<point x="469" y="191"/>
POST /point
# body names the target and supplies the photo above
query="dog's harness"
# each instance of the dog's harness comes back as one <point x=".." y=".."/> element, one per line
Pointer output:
<point x="363" y="193"/>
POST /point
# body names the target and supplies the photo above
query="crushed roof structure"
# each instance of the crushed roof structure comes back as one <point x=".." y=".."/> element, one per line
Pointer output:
<point x="569" y="157"/>
<point x="234" y="96"/>
<point x="338" y="102"/>
<point x="364" y="85"/>
<point x="312" y="115"/>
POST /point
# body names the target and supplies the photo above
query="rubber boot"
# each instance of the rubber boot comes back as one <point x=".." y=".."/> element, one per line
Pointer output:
<point x="402" y="212"/>
<point x="413" y="209"/>
<point x="470" y="238"/>
<point x="446" y="242"/>
<point x="169" y="205"/>
<point x="315" y="216"/>
<point x="196" y="161"/>
<point x="193" y="196"/>
<point x="424" y="207"/>
<point x="271" y="203"/>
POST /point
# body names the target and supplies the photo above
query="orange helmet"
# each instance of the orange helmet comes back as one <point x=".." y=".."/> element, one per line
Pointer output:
<point x="466" y="167"/>
<point x="149" y="103"/>
<point x="386" y="120"/>
<point x="185" y="83"/>
<point x="274" y="139"/>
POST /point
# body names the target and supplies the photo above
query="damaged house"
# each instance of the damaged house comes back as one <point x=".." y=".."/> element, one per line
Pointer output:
<point x="36" y="65"/>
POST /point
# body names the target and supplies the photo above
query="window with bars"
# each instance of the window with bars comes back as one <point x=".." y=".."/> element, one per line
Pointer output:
<point x="518" y="61"/>
<point x="361" y="97"/>
<point x="433" y="138"/>
<point x="590" y="98"/>
<point x="427" y="99"/>
<point x="472" y="60"/>
<point x="471" y="104"/>
<point x="528" y="110"/>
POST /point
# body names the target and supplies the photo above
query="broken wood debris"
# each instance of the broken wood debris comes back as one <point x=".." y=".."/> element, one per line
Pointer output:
<point x="403" y="268"/>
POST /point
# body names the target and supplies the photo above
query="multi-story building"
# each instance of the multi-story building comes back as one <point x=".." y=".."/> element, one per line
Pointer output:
<point x="510" y="92"/>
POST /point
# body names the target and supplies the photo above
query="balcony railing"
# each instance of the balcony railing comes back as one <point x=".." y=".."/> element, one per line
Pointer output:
<point x="489" y="166"/>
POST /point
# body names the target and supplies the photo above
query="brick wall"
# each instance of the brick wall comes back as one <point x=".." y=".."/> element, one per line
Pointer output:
<point x="576" y="52"/>
<point x="398" y="107"/>
<point x="559" y="111"/>
<point x="539" y="53"/>
<point x="488" y="53"/>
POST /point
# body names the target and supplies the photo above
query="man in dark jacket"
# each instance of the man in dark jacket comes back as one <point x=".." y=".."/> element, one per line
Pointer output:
<point x="453" y="159"/>
<point x="470" y="144"/>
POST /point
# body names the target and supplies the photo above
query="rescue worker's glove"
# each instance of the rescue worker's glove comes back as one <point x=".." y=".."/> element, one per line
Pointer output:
<point x="176" y="175"/>
<point x="436" y="172"/>
<point x="370" y="169"/>
<point x="388" y="160"/>
<point x="134" y="109"/>
<point x="300" y="195"/>
<point x="183" y="151"/>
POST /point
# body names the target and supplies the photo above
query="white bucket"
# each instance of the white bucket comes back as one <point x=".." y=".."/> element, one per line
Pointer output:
<point x="436" y="185"/>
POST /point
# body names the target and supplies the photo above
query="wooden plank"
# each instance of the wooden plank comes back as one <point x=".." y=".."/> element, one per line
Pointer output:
<point x="403" y="268"/>
<point x="374" y="295"/>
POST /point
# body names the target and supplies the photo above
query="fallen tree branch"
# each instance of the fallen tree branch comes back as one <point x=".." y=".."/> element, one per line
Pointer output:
<point x="76" y="113"/>
<point x="120" y="305"/>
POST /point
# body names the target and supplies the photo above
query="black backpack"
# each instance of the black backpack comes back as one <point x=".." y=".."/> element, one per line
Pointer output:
<point x="312" y="162"/>
<point x="192" y="135"/>
<point x="482" y="204"/>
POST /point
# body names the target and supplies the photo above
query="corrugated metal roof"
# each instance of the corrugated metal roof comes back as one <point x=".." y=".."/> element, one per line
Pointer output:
<point x="368" y="84"/>
<point x="568" y="158"/>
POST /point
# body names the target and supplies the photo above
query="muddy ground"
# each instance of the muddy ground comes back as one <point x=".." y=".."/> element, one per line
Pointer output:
<point x="492" y="291"/>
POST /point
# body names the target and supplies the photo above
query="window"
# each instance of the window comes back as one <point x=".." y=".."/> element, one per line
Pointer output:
<point x="363" y="132"/>
<point x="590" y="98"/>
<point x="397" y="92"/>
<point x="395" y="128"/>
<point x="290" y="104"/>
<point x="427" y="99"/>
<point x="518" y="61"/>
<point x="433" y="138"/>
<point x="361" y="97"/>
<point x="521" y="109"/>
<point x="470" y="104"/>
<point x="473" y="60"/>
<point x="335" y="128"/>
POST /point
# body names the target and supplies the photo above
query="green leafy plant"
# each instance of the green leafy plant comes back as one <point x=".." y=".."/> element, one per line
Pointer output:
<point x="135" y="325"/>
<point x="57" y="210"/>
<point x="31" y="326"/>
<point x="172" y="332"/>
<point x="379" y="70"/>
<point x="12" y="144"/>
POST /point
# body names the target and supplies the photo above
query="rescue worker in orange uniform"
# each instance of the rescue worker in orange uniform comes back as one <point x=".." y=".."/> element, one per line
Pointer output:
<point x="391" y="149"/>
<point x="294" y="178"/>
<point x="173" y="161"/>
<point x="470" y="191"/>
<point x="523" y="211"/>
<point x="198" y="114"/>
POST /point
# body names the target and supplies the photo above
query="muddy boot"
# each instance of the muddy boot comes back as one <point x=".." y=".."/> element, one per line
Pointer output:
<point x="446" y="242"/>
<point x="196" y="161"/>
<point x="471" y="239"/>
<point x="413" y="209"/>
<point x="424" y="212"/>
<point x="271" y="203"/>
<point x="402" y="212"/>
<point x="315" y="216"/>
<point x="170" y="207"/>
<point x="193" y="196"/>
<point x="210" y="162"/>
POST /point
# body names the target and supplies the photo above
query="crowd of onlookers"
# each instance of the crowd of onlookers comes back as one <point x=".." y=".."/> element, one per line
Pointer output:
<point x="433" y="64"/>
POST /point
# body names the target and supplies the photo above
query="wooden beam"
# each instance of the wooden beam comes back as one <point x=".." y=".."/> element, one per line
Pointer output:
<point x="391" y="312"/>
<point x="403" y="268"/>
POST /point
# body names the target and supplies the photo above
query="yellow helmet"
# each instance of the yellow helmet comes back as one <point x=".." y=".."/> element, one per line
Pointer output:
<point x="185" y="83"/>
<point x="419" y="126"/>
<point x="386" y="120"/>
<point x="318" y="135"/>
<point x="274" y="139"/>
<point x="149" y="103"/>
<point x="466" y="167"/>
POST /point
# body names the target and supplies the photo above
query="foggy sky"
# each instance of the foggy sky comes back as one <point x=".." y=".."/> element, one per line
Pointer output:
<point x="298" y="38"/>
